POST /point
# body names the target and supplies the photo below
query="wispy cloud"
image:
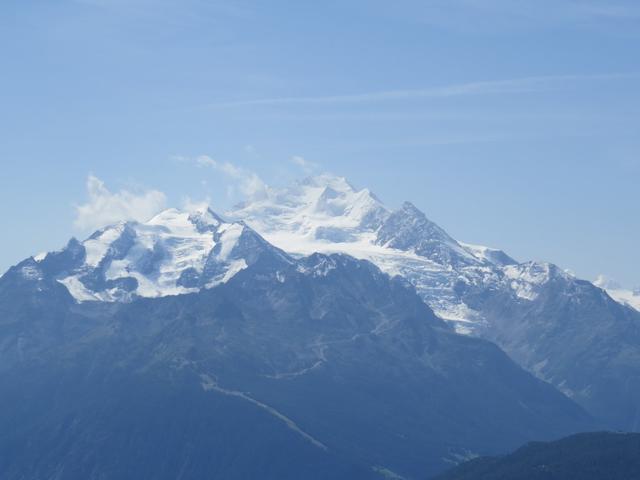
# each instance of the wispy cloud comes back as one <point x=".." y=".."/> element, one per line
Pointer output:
<point x="307" y="166"/>
<point x="243" y="181"/>
<point x="105" y="207"/>
<point x="248" y="182"/>
<point x="190" y="205"/>
<point x="509" y="86"/>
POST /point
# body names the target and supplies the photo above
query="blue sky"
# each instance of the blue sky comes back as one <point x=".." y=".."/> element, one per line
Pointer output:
<point x="511" y="123"/>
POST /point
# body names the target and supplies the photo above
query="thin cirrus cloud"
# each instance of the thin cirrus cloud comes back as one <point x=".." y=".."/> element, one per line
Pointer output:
<point x="509" y="86"/>
<point x="243" y="180"/>
<point x="105" y="207"/>
<point x="248" y="182"/>
<point x="306" y="165"/>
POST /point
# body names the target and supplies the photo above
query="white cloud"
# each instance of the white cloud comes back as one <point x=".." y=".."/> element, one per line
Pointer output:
<point x="606" y="282"/>
<point x="105" y="207"/>
<point x="191" y="205"/>
<point x="306" y="165"/>
<point x="205" y="161"/>
<point x="248" y="182"/>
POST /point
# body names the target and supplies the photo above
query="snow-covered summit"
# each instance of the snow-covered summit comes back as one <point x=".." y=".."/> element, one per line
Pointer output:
<point x="173" y="253"/>
<point x="183" y="251"/>
<point x="320" y="208"/>
<point x="327" y="214"/>
<point x="545" y="318"/>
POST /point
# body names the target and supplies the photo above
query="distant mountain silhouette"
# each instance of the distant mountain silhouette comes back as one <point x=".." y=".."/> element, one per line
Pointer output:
<point x="585" y="456"/>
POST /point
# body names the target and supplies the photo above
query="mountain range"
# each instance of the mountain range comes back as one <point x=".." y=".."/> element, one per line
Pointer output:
<point x="319" y="367"/>
<point x="310" y="333"/>
<point x="565" y="330"/>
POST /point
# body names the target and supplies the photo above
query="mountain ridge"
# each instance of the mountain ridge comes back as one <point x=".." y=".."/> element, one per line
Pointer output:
<point x="562" y="329"/>
<point x="482" y="292"/>
<point x="175" y="252"/>
<point x="322" y="365"/>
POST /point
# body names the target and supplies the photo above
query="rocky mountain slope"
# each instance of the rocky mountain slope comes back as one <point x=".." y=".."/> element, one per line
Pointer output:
<point x="314" y="367"/>
<point x="563" y="329"/>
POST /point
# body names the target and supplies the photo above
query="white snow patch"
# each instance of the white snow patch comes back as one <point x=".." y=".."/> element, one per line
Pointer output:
<point x="626" y="297"/>
<point x="233" y="268"/>
<point x="78" y="290"/>
<point x="526" y="279"/>
<point x="97" y="248"/>
<point x="230" y="233"/>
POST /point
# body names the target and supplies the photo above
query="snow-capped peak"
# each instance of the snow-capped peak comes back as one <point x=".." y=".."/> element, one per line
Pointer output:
<point x="177" y="251"/>
<point x="320" y="208"/>
<point x="327" y="214"/>
<point x="409" y="229"/>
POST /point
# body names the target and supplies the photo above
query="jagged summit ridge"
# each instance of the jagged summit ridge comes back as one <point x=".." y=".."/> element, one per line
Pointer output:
<point x="173" y="253"/>
<point x="327" y="214"/>
<point x="565" y="330"/>
<point x="409" y="229"/>
<point x="290" y="362"/>
<point x="320" y="208"/>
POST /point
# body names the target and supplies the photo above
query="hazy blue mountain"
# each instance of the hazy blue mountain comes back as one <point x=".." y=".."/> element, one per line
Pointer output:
<point x="563" y="329"/>
<point x="573" y="335"/>
<point x="317" y="367"/>
<point x="585" y="456"/>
